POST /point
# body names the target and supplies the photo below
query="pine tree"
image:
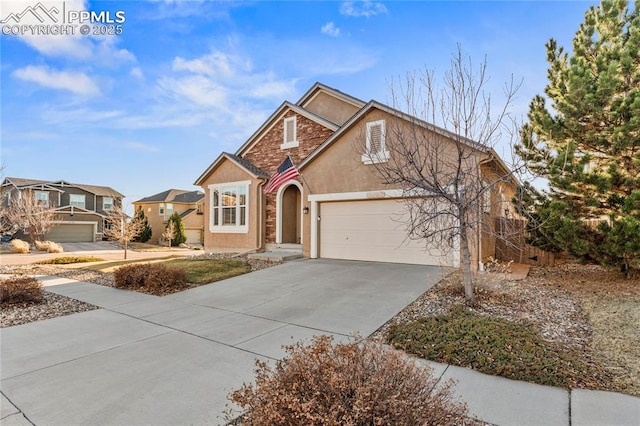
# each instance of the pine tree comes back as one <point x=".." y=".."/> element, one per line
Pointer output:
<point x="146" y="233"/>
<point x="180" y="236"/>
<point x="587" y="144"/>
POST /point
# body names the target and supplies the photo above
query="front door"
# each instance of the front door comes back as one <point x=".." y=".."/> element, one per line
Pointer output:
<point x="291" y="220"/>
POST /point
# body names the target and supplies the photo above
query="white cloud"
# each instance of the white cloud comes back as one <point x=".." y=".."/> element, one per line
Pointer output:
<point x="366" y="8"/>
<point x="195" y="88"/>
<point x="71" y="114"/>
<point x="211" y="78"/>
<point x="330" y="29"/>
<point x="136" y="72"/>
<point x="76" y="82"/>
<point x="214" y="64"/>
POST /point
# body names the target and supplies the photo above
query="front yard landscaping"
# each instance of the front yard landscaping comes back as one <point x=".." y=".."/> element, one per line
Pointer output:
<point x="197" y="270"/>
<point x="573" y="326"/>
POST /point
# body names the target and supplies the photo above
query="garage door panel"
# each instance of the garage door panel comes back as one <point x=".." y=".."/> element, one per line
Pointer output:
<point x="370" y="230"/>
<point x="71" y="233"/>
<point x="193" y="236"/>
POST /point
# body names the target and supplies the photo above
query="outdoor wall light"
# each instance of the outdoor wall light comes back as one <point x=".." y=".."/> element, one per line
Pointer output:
<point x="305" y="210"/>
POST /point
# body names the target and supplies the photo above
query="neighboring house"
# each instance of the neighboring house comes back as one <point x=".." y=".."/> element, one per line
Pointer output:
<point x="188" y="204"/>
<point x="81" y="209"/>
<point x="337" y="208"/>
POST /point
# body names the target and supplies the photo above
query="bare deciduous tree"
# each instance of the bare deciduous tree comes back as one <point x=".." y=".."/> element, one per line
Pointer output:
<point x="29" y="215"/>
<point x="121" y="228"/>
<point x="170" y="232"/>
<point x="449" y="172"/>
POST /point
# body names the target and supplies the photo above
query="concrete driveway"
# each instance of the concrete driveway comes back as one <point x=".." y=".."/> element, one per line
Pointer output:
<point x="172" y="360"/>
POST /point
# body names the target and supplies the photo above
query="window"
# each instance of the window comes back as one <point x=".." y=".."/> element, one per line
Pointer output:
<point x="229" y="207"/>
<point x="76" y="200"/>
<point x="42" y="197"/>
<point x="169" y="209"/>
<point x="290" y="138"/>
<point x="107" y="203"/>
<point x="376" y="151"/>
<point x="161" y="211"/>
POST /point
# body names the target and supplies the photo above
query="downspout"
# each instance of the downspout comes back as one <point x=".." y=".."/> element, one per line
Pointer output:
<point x="260" y="216"/>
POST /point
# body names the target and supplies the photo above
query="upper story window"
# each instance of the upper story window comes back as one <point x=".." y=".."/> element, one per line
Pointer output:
<point x="169" y="209"/>
<point x="107" y="203"/>
<point x="42" y="197"/>
<point x="290" y="137"/>
<point x="161" y="210"/>
<point x="375" y="148"/>
<point x="229" y="207"/>
<point x="77" y="200"/>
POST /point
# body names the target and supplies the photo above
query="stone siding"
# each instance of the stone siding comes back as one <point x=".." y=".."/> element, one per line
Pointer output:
<point x="267" y="155"/>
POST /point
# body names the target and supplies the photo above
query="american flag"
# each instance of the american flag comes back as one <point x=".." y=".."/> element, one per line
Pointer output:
<point x="285" y="171"/>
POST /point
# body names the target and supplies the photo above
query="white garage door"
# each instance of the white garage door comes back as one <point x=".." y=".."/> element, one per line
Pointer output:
<point x="193" y="236"/>
<point x="71" y="233"/>
<point x="371" y="230"/>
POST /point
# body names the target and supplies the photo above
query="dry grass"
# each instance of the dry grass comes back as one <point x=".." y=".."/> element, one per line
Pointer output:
<point x="19" y="246"/>
<point x="616" y="339"/>
<point x="611" y="303"/>
<point x="49" y="247"/>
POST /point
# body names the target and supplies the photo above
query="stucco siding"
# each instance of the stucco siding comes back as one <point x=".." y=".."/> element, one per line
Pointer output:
<point x="331" y="108"/>
<point x="228" y="172"/>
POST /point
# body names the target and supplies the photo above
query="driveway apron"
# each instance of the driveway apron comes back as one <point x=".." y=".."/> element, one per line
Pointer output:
<point x="172" y="360"/>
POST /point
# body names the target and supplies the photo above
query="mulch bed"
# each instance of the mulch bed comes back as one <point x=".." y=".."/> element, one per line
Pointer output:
<point x="53" y="305"/>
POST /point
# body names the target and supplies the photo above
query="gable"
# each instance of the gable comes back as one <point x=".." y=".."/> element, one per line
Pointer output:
<point x="275" y="120"/>
<point x="330" y="108"/>
<point x="330" y="104"/>
<point x="229" y="168"/>
<point x="268" y="153"/>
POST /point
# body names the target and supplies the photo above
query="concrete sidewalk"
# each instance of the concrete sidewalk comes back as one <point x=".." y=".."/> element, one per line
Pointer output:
<point x="172" y="360"/>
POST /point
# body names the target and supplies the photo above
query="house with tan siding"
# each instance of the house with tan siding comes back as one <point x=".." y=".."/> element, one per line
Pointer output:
<point x="159" y="207"/>
<point x="338" y="207"/>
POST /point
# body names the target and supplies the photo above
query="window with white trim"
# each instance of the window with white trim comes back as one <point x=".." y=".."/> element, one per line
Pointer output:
<point x="375" y="148"/>
<point x="42" y="197"/>
<point x="290" y="139"/>
<point x="161" y="210"/>
<point x="169" y="209"/>
<point x="229" y="207"/>
<point x="107" y="203"/>
<point x="77" y="200"/>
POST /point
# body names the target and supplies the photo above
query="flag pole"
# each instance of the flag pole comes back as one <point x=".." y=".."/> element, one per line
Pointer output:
<point x="300" y="174"/>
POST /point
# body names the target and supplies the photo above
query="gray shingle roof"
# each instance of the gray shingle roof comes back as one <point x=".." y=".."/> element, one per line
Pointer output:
<point x="186" y="213"/>
<point x="104" y="191"/>
<point x="173" y="196"/>
<point x="189" y="197"/>
<point x="248" y="165"/>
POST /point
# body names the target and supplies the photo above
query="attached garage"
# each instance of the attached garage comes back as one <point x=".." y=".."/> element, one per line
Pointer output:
<point x="194" y="236"/>
<point x="372" y="230"/>
<point x="72" y="233"/>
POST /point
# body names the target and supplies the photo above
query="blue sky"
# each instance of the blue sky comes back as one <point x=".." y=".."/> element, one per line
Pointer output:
<point x="151" y="108"/>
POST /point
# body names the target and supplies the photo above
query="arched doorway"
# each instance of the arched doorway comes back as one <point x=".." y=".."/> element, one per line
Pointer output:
<point x="289" y="214"/>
